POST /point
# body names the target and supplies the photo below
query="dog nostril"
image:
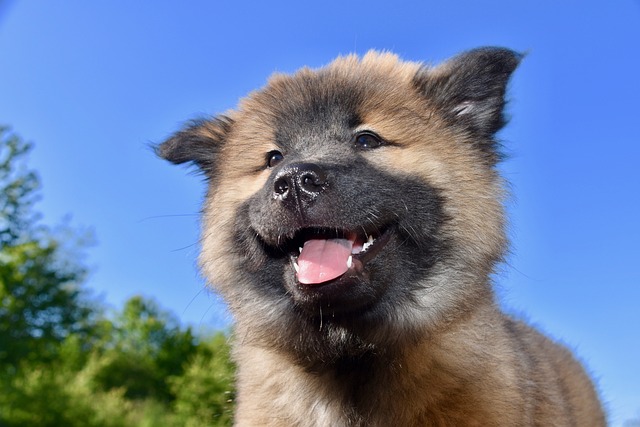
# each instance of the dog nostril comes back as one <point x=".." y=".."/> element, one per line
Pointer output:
<point x="281" y="186"/>
<point x="308" y="180"/>
<point x="310" y="184"/>
<point x="312" y="179"/>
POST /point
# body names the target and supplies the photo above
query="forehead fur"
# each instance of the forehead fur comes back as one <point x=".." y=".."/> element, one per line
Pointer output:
<point x="375" y="63"/>
<point x="342" y="87"/>
<point x="371" y="68"/>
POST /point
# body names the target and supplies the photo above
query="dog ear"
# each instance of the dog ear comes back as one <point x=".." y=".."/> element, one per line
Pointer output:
<point x="469" y="89"/>
<point x="199" y="143"/>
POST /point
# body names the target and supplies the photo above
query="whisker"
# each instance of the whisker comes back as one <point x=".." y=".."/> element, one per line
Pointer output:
<point x="192" y="245"/>
<point x="167" y="216"/>
<point x="202" y="289"/>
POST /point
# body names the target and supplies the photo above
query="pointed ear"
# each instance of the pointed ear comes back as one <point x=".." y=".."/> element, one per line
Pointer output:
<point x="469" y="89"/>
<point x="199" y="143"/>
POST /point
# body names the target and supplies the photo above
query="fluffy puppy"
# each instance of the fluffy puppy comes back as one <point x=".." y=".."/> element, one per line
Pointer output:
<point x="353" y="218"/>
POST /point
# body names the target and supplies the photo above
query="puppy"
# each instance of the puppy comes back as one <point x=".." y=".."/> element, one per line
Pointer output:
<point x="353" y="219"/>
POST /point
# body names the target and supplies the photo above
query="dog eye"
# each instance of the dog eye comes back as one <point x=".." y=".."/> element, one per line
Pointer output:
<point x="273" y="158"/>
<point x="367" y="140"/>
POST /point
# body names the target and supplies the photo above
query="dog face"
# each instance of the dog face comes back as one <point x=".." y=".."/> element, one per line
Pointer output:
<point x="356" y="205"/>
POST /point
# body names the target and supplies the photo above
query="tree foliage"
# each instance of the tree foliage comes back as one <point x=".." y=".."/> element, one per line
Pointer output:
<point x="40" y="296"/>
<point x="18" y="187"/>
<point x="205" y="392"/>
<point x="63" y="361"/>
<point x="146" y="347"/>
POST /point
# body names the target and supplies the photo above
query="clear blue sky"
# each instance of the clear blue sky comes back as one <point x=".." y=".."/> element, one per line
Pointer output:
<point x="92" y="83"/>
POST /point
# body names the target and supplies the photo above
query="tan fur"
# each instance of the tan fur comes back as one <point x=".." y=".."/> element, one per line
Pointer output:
<point x="467" y="363"/>
<point x="423" y="388"/>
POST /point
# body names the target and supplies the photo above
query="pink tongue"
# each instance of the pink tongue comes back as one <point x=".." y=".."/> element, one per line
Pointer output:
<point x="322" y="260"/>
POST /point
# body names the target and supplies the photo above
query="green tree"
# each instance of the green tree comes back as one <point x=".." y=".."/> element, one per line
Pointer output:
<point x="147" y="346"/>
<point x="205" y="392"/>
<point x="62" y="362"/>
<point x="18" y="187"/>
<point x="41" y="301"/>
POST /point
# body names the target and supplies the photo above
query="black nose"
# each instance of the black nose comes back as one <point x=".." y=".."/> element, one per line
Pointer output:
<point x="300" y="182"/>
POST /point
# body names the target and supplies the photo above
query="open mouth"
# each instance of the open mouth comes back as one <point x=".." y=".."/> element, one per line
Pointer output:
<point x="319" y="256"/>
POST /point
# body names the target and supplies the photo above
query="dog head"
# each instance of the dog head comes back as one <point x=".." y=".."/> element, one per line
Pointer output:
<point x="357" y="204"/>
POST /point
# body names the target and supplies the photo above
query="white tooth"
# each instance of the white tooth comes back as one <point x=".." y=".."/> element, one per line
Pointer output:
<point x="296" y="267"/>
<point x="300" y="249"/>
<point x="368" y="243"/>
<point x="349" y="261"/>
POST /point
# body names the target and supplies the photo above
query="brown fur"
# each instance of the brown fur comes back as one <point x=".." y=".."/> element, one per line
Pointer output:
<point x="446" y="356"/>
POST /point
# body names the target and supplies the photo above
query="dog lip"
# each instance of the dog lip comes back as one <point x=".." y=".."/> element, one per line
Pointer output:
<point x="376" y="246"/>
<point x="357" y="261"/>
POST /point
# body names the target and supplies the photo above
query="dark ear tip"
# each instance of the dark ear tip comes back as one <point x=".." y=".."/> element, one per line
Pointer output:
<point x="170" y="150"/>
<point x="167" y="148"/>
<point x="507" y="57"/>
<point x="516" y="57"/>
<point x="158" y="149"/>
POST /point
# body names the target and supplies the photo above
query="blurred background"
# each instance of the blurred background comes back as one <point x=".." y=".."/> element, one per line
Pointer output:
<point x="92" y="84"/>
